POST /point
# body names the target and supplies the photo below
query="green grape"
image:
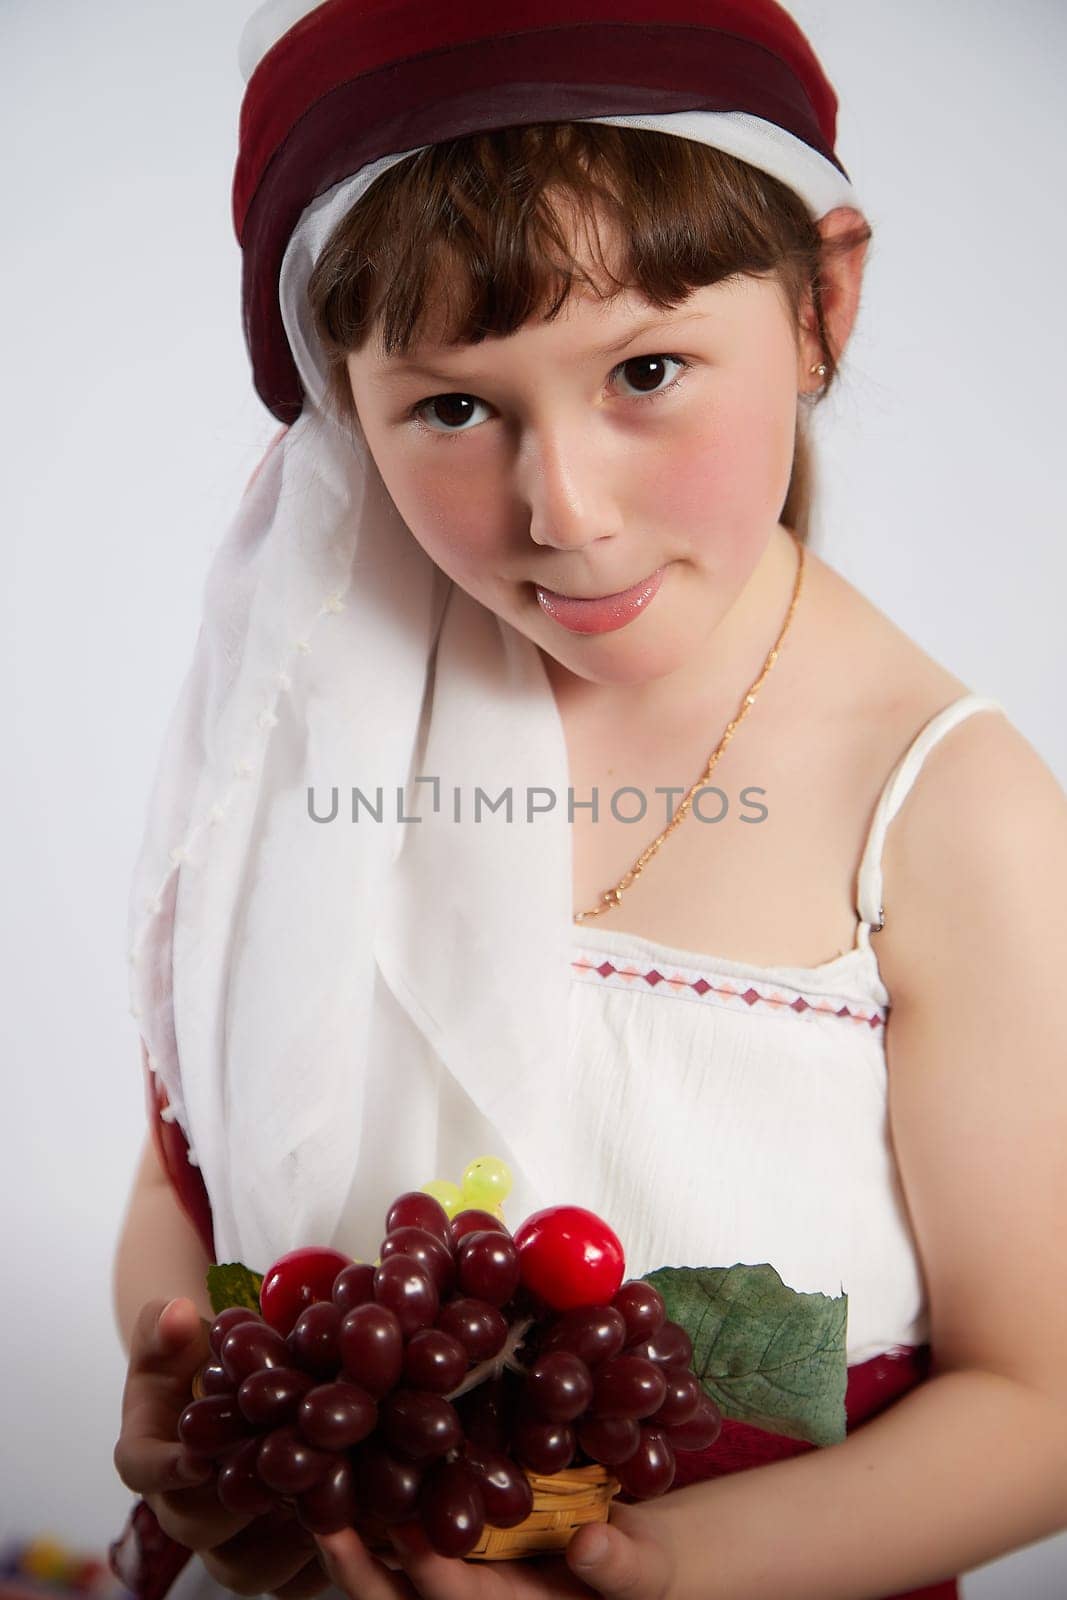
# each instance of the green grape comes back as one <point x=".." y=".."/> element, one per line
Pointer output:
<point x="486" y="1182"/>
<point x="446" y="1194"/>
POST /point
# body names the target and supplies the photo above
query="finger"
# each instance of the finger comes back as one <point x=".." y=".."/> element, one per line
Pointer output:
<point x="270" y="1552"/>
<point x="353" y="1568"/>
<point x="617" y="1565"/>
<point x="153" y="1465"/>
<point x="312" y="1580"/>
<point x="440" y="1576"/>
<point x="197" y="1518"/>
<point x="169" y="1337"/>
<point x="170" y="1345"/>
<point x="170" y="1342"/>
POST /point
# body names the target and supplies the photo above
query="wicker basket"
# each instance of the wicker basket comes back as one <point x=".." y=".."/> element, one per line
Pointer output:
<point x="562" y="1503"/>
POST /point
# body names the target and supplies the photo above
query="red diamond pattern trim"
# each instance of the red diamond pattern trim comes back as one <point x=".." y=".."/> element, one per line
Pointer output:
<point x="686" y="982"/>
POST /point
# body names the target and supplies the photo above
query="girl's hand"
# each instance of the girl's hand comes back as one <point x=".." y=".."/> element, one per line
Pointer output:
<point x="626" y="1558"/>
<point x="262" y="1555"/>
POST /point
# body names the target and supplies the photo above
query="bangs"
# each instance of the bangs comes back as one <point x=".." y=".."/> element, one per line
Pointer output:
<point x="474" y="237"/>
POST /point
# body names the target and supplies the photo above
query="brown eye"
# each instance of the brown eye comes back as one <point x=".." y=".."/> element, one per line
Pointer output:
<point x="451" y="409"/>
<point x="650" y="371"/>
<point x="647" y="373"/>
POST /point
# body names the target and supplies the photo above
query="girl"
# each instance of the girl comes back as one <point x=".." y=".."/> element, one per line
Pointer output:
<point x="536" y="790"/>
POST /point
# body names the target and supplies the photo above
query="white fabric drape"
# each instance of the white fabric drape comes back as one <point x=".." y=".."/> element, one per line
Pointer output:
<point x="272" y="955"/>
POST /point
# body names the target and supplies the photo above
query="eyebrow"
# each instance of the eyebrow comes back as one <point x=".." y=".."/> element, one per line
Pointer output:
<point x="405" y="369"/>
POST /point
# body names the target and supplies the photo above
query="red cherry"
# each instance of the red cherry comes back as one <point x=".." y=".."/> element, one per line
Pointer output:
<point x="296" y="1281"/>
<point x="569" y="1257"/>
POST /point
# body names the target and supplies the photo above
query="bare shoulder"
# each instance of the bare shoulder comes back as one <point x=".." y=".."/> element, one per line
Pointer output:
<point x="975" y="860"/>
<point x="985" y="822"/>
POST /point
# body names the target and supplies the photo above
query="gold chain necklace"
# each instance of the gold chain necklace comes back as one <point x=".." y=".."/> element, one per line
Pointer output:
<point x="613" y="897"/>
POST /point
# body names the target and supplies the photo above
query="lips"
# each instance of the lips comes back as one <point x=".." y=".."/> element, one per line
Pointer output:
<point x="602" y="613"/>
<point x="616" y="594"/>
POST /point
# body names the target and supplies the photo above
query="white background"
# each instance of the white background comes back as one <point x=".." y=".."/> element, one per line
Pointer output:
<point x="130" y="427"/>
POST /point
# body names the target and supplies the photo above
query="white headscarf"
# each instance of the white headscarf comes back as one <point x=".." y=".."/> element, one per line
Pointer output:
<point x="342" y="1010"/>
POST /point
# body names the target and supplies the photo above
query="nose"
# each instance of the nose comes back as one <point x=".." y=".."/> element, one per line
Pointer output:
<point x="570" y="489"/>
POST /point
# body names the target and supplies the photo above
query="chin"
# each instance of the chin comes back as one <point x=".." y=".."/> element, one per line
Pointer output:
<point x="623" y="661"/>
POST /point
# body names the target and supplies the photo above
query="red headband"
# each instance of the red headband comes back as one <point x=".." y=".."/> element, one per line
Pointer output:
<point x="352" y="82"/>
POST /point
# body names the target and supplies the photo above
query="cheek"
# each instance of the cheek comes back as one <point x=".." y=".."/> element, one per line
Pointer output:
<point x="450" y="513"/>
<point x="729" y="478"/>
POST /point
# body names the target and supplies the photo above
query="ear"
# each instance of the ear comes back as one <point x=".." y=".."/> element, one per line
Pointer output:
<point x="841" y="278"/>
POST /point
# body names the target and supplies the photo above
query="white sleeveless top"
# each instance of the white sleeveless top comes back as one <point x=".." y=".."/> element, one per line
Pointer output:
<point x="717" y="1112"/>
<point x="726" y="1113"/>
<point x="737" y="1113"/>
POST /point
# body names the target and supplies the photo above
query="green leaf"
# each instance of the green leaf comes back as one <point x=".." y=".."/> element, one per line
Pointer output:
<point x="766" y="1354"/>
<point x="231" y="1283"/>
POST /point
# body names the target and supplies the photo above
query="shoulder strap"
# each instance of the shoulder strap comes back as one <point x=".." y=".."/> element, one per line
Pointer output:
<point x="897" y="788"/>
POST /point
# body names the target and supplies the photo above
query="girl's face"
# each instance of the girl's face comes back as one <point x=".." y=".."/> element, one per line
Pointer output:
<point x="585" y="454"/>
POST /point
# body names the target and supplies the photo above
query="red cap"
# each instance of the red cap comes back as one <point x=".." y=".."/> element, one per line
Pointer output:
<point x="355" y="80"/>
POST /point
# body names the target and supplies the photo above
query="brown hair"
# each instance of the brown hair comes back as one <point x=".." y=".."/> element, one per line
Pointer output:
<point x="472" y="219"/>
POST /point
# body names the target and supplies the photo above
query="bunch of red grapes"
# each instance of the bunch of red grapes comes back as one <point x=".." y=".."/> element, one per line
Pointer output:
<point x="428" y="1386"/>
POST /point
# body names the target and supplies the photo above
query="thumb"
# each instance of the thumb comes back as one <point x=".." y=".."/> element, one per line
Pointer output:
<point x="611" y="1562"/>
<point x="179" y="1322"/>
<point x="174" y="1338"/>
<point x="185" y="1335"/>
<point x="170" y="1342"/>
